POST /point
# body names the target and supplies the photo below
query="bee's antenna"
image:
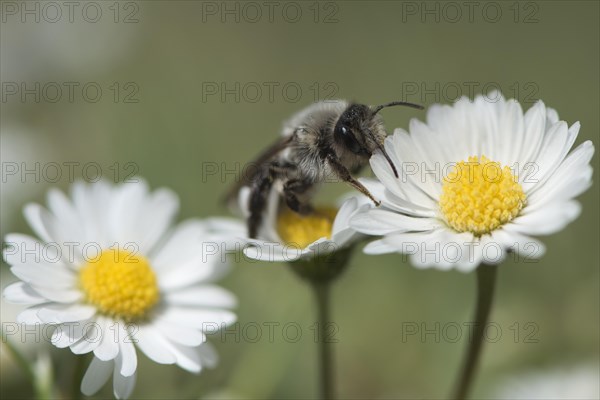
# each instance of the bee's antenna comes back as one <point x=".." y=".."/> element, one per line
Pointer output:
<point x="381" y="107"/>
<point x="397" y="103"/>
<point x="389" y="160"/>
<point x="385" y="154"/>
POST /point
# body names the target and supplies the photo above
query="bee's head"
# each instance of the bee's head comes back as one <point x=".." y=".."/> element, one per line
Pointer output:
<point x="360" y="130"/>
<point x="349" y="131"/>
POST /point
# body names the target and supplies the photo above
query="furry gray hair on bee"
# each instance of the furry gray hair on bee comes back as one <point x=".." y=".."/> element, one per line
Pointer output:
<point x="328" y="138"/>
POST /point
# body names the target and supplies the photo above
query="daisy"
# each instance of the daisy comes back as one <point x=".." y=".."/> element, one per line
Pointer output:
<point x="21" y="150"/>
<point x="114" y="278"/>
<point x="563" y="382"/>
<point x="317" y="247"/>
<point x="290" y="237"/>
<point x="478" y="180"/>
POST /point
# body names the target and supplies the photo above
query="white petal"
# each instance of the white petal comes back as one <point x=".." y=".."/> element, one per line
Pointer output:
<point x="319" y="248"/>
<point x="574" y="168"/>
<point x="492" y="251"/>
<point x="109" y="344"/>
<point x="59" y="313"/>
<point x="407" y="242"/>
<point x="33" y="215"/>
<point x="22" y="293"/>
<point x="66" y="214"/>
<point x="342" y="218"/>
<point x="180" y="246"/>
<point x="482" y="118"/>
<point x="208" y="355"/>
<point x="442" y="248"/>
<point x="154" y="345"/>
<point x="90" y="340"/>
<point x="380" y="247"/>
<point x="29" y="316"/>
<point x="382" y="222"/>
<point x="96" y="376"/>
<point x="166" y="352"/>
<point x="535" y="127"/>
<point x="428" y="159"/>
<point x="400" y="187"/>
<point x="140" y="217"/>
<point x="159" y="211"/>
<point x="90" y="201"/>
<point x="59" y="296"/>
<point x="552" y="115"/>
<point x="67" y="236"/>
<point x="123" y="385"/>
<point x="393" y="202"/>
<point x="66" y="335"/>
<point x="472" y="255"/>
<point x="179" y="334"/>
<point x="176" y="248"/>
<point x="127" y="355"/>
<point x="510" y="129"/>
<point x="547" y="220"/>
<point x="62" y="208"/>
<point x="561" y="192"/>
<point x="183" y="275"/>
<point x="25" y="250"/>
<point x="41" y="275"/>
<point x="199" y="319"/>
<point x="187" y="358"/>
<point x="521" y="246"/>
<point x="554" y="150"/>
<point x="202" y="295"/>
<point x="272" y="251"/>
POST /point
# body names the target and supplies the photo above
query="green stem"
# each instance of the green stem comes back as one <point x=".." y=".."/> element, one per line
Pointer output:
<point x="486" y="278"/>
<point x="78" y="373"/>
<point x="19" y="359"/>
<point x="322" y="290"/>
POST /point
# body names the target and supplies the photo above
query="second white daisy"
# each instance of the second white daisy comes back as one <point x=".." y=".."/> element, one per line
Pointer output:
<point x="109" y="273"/>
<point x="478" y="180"/>
<point x="288" y="236"/>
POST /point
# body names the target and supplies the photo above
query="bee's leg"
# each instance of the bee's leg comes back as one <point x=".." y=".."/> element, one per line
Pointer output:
<point x="343" y="173"/>
<point x="291" y="190"/>
<point x="260" y="193"/>
<point x="258" y="200"/>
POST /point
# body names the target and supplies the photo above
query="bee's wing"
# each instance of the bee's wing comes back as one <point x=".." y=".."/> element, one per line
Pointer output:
<point x="251" y="173"/>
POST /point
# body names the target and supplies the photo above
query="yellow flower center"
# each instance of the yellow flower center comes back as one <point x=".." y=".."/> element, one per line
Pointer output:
<point x="302" y="230"/>
<point x="120" y="284"/>
<point x="480" y="195"/>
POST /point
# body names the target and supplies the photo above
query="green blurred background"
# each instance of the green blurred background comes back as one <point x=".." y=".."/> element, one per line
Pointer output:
<point x="371" y="52"/>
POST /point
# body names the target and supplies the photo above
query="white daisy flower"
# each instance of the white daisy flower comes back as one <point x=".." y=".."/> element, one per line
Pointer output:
<point x="24" y="153"/>
<point x="288" y="236"/>
<point x="566" y="382"/>
<point x="112" y="276"/>
<point x="477" y="180"/>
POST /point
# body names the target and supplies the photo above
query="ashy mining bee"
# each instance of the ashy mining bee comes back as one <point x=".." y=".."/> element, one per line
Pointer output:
<point x="327" y="139"/>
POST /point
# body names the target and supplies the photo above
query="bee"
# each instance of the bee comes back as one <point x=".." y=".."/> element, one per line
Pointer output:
<point x="326" y="139"/>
